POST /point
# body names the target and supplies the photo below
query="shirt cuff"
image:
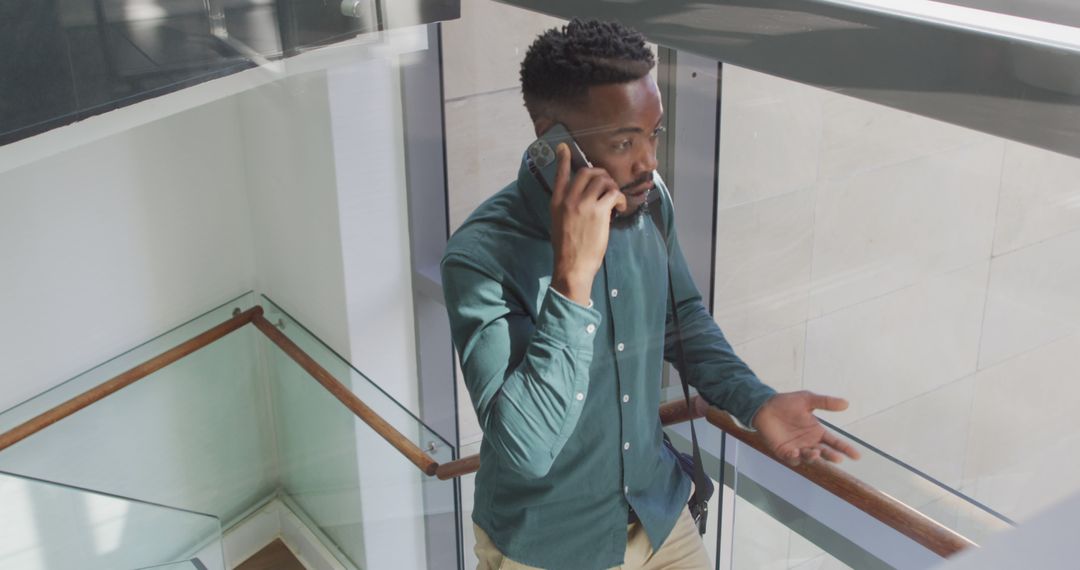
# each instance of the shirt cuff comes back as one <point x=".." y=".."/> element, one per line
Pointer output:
<point x="568" y="322"/>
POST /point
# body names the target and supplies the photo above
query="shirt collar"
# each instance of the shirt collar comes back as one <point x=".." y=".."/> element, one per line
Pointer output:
<point x="537" y="199"/>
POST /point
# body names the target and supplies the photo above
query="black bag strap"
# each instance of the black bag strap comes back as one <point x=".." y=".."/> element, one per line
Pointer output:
<point x="701" y="481"/>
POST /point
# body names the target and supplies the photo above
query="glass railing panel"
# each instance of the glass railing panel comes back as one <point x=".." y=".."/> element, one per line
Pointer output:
<point x="119" y="363"/>
<point x="924" y="271"/>
<point x="761" y="541"/>
<point x="48" y="526"/>
<point x="88" y="58"/>
<point x="365" y="388"/>
<point x="197" y="433"/>
<point x="776" y="518"/>
<point x="949" y="506"/>
<point x="360" y="493"/>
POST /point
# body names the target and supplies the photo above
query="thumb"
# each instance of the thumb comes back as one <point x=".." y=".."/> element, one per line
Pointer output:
<point x="827" y="403"/>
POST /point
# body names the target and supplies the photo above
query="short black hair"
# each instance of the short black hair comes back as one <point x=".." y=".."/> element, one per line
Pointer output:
<point x="563" y="63"/>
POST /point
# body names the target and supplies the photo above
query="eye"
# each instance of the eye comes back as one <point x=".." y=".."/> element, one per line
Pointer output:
<point x="624" y="144"/>
<point x="659" y="131"/>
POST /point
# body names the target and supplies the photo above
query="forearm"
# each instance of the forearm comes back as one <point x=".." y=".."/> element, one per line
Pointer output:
<point x="529" y="381"/>
<point x="712" y="366"/>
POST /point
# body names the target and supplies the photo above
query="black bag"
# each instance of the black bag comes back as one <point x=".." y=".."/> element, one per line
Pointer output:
<point x="691" y="464"/>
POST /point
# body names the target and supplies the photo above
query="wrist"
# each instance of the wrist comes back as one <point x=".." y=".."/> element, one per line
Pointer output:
<point x="753" y="425"/>
<point x="577" y="289"/>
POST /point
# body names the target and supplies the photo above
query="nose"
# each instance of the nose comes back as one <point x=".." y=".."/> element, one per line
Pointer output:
<point x="646" y="161"/>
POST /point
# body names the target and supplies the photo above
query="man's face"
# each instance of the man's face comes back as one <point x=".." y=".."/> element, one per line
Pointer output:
<point x="617" y="129"/>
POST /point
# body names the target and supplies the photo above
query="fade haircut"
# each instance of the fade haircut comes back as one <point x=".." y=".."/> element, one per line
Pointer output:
<point x="563" y="63"/>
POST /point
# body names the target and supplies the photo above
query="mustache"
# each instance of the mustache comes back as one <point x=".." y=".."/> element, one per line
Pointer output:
<point x="646" y="178"/>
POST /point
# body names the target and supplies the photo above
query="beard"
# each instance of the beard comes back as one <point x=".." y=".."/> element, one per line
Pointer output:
<point x="632" y="218"/>
<point x="629" y="219"/>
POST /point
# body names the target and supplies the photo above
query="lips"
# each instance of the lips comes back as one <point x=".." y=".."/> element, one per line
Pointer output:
<point x="639" y="190"/>
<point x="638" y="186"/>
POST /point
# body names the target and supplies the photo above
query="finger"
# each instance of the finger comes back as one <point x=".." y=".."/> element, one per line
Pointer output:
<point x="840" y="445"/>
<point x="831" y="455"/>
<point x="599" y="185"/>
<point x="810" y="453"/>
<point x="562" y="172"/>
<point x="614" y="199"/>
<point x="828" y="403"/>
<point x="577" y="191"/>
<point x="789" y="456"/>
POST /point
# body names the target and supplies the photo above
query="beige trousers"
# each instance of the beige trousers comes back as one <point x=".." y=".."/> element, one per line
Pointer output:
<point x="683" y="550"/>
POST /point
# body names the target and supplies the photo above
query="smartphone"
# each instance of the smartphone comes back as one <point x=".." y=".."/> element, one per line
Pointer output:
<point x="544" y="165"/>
<point x="543" y="162"/>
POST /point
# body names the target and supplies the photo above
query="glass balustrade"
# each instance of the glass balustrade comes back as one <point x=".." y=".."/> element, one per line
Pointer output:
<point x="373" y="504"/>
<point x="49" y="526"/>
<point x="779" y="519"/>
<point x="238" y="424"/>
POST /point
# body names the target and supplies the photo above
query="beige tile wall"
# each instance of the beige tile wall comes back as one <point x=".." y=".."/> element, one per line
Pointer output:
<point x="936" y="275"/>
<point x="486" y="123"/>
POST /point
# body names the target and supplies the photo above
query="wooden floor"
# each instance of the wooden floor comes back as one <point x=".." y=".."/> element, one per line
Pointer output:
<point x="276" y="556"/>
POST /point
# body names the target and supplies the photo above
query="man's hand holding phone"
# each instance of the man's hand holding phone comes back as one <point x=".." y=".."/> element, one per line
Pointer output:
<point x="581" y="210"/>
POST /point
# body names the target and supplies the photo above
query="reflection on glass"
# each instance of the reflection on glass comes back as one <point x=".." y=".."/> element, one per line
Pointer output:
<point x="195" y="434"/>
<point x="46" y="526"/>
<point x="366" y="499"/>
<point x="229" y="428"/>
<point x="948" y="506"/>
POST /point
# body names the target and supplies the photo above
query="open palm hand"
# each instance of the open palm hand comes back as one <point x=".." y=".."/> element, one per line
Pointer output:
<point x="787" y="424"/>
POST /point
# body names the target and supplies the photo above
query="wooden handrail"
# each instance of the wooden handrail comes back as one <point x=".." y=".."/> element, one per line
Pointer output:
<point x="345" y="396"/>
<point x="125" y="379"/>
<point x="900" y="517"/>
<point x="458" y="467"/>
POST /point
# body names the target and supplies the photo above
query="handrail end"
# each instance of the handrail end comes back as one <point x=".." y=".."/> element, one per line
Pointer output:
<point x="431" y="468"/>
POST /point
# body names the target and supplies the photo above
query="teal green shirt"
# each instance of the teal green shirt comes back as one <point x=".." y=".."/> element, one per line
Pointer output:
<point x="567" y="396"/>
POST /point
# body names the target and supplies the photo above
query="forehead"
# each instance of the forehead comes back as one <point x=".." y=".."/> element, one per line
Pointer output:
<point x="633" y="104"/>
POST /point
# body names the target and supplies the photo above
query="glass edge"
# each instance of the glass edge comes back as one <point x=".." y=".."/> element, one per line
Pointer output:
<point x="39" y="481"/>
<point x="345" y="361"/>
<point x="919" y="473"/>
<point x="128" y="351"/>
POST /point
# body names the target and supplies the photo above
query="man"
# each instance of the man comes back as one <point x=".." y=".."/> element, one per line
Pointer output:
<point x="560" y="319"/>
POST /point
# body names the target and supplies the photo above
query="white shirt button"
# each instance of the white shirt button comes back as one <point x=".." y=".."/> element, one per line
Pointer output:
<point x="614" y="292"/>
<point x="626" y="446"/>
<point x="621" y="347"/>
<point x="590" y="329"/>
<point x="580" y="396"/>
<point x="625" y="398"/>
<point x="626" y="490"/>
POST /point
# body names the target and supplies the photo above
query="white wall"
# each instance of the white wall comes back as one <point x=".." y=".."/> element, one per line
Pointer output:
<point x="108" y="244"/>
<point x="103" y="246"/>
<point x="288" y="157"/>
